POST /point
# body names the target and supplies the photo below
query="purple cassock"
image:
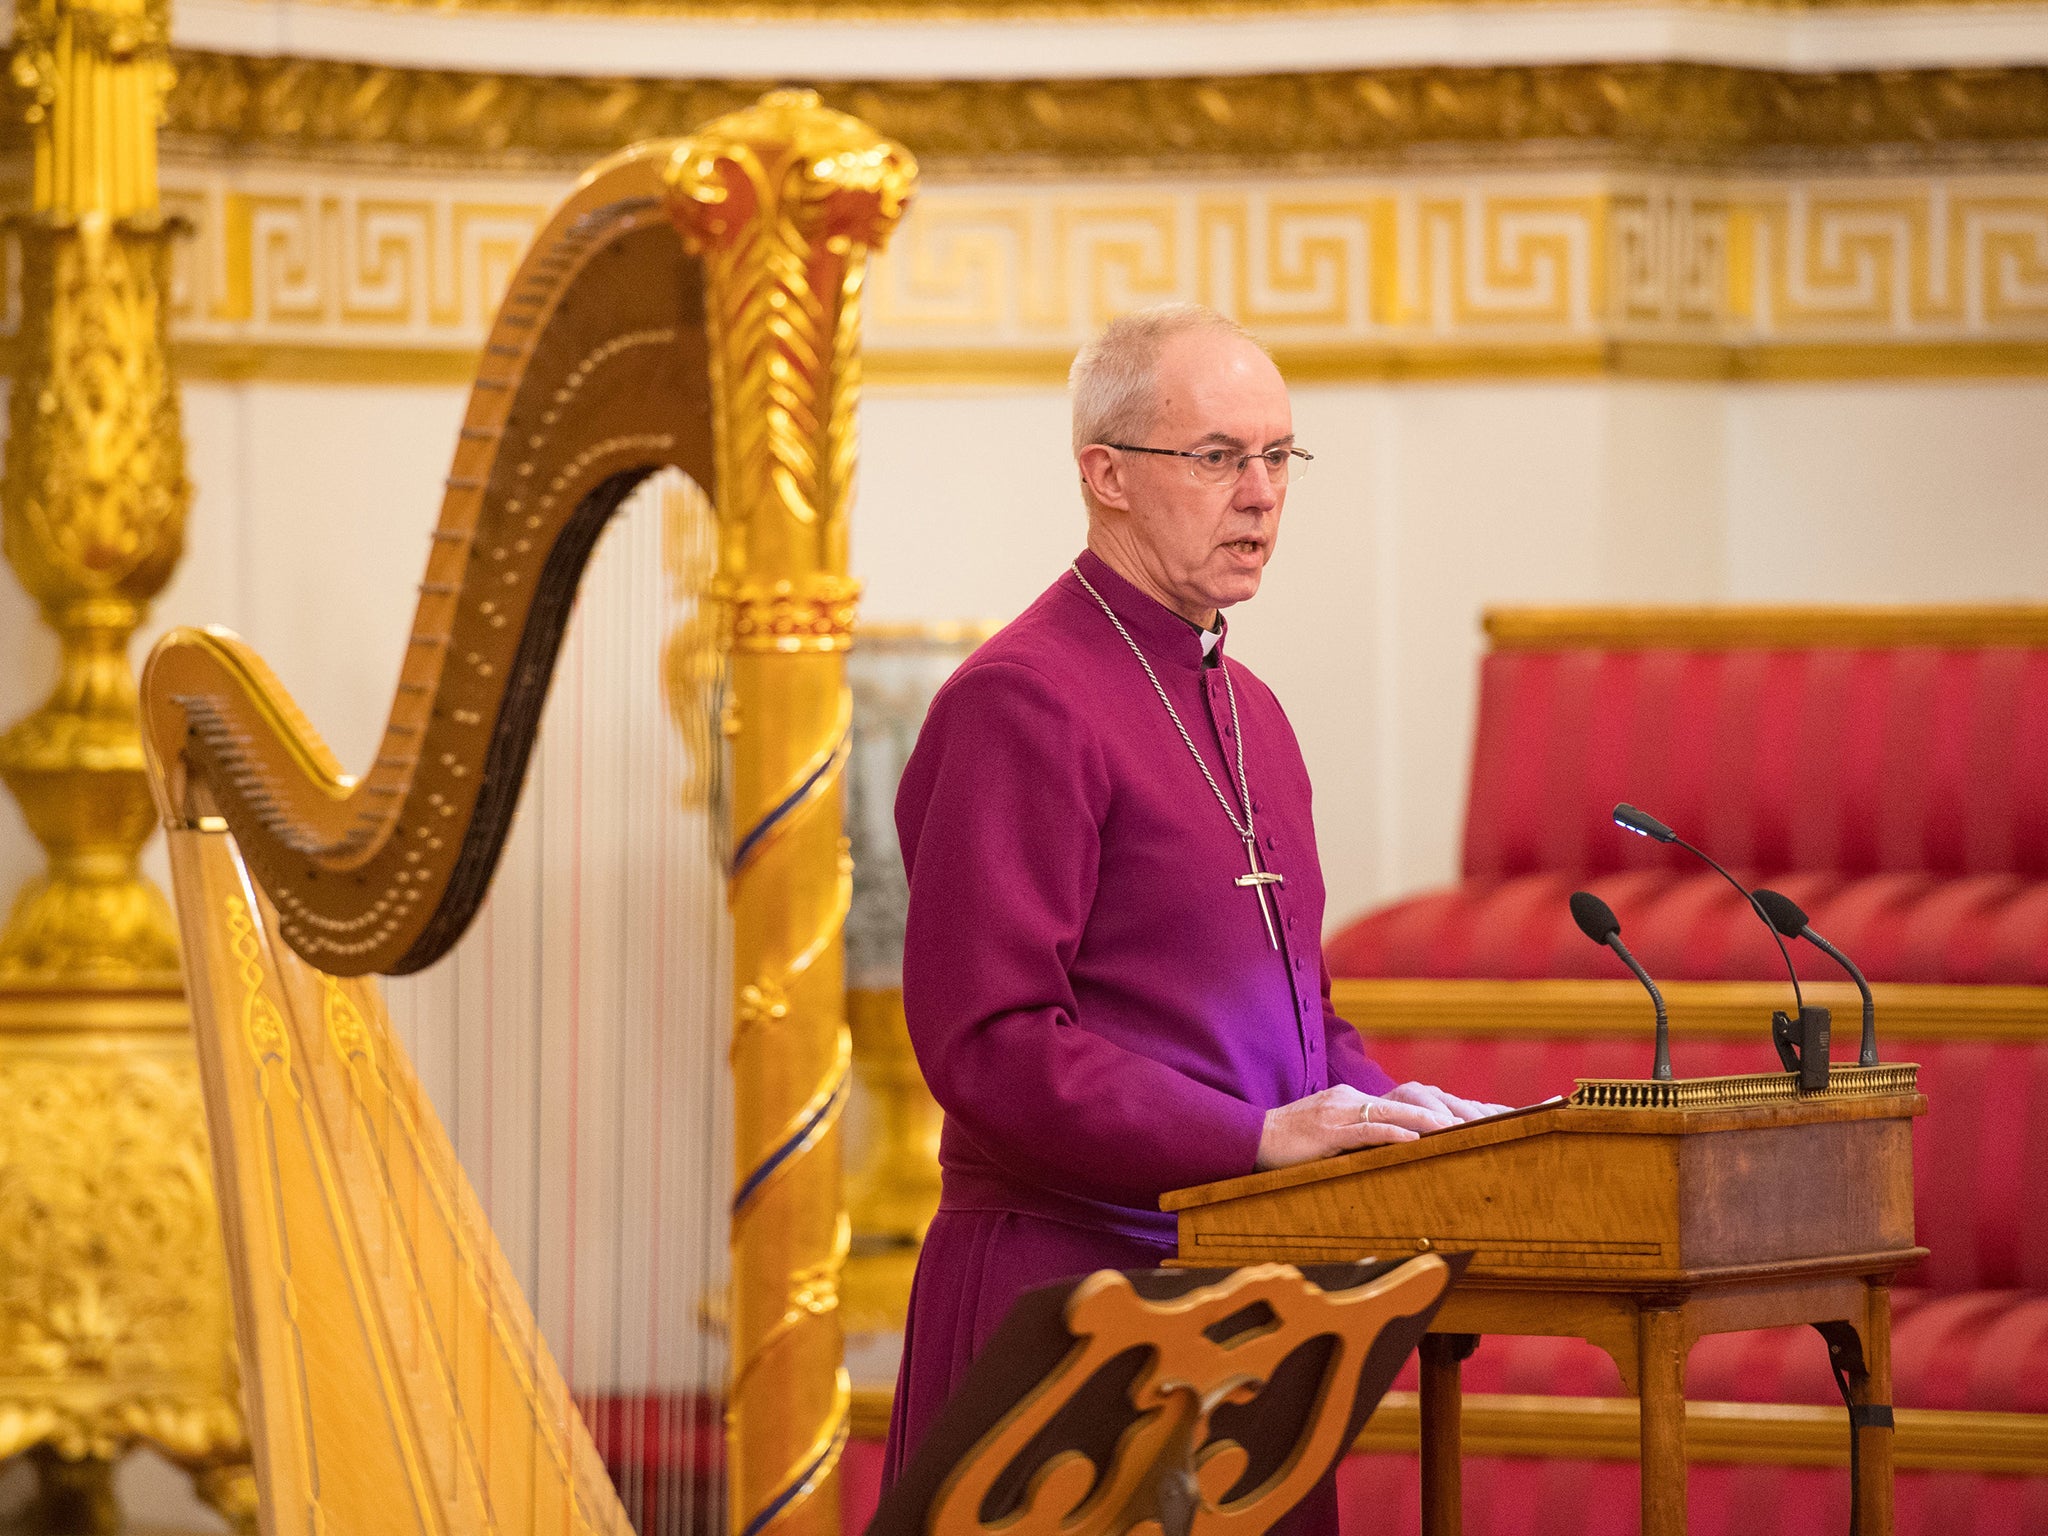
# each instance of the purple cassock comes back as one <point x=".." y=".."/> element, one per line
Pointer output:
<point x="1095" y="1002"/>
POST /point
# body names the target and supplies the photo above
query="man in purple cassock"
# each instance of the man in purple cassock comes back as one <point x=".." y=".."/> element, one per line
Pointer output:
<point x="1113" y="969"/>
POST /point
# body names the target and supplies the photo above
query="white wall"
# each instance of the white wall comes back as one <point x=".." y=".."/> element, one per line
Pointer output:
<point x="1888" y="492"/>
<point x="1430" y="502"/>
<point x="1427" y="502"/>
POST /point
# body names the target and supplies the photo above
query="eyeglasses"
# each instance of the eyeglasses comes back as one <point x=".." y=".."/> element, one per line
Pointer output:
<point x="1224" y="466"/>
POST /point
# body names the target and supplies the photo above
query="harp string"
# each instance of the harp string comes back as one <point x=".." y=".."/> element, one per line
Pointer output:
<point x="601" y="1011"/>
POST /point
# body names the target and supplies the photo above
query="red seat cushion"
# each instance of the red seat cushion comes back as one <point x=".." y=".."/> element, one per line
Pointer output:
<point x="1689" y="925"/>
<point x="1983" y="1350"/>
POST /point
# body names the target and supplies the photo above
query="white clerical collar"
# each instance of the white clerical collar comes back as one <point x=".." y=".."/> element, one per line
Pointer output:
<point x="1211" y="638"/>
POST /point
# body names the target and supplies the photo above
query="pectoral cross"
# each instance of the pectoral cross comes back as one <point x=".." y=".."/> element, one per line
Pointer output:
<point x="1258" y="880"/>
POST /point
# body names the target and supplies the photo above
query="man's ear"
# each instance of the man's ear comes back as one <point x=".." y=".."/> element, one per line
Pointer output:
<point x="1102" y="472"/>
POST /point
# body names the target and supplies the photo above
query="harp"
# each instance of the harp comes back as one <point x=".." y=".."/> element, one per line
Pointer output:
<point x="689" y="316"/>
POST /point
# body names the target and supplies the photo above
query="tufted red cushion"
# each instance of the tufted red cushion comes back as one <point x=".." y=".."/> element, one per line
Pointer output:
<point x="1978" y="1164"/>
<point x="1849" y="761"/>
<point x="1689" y="925"/>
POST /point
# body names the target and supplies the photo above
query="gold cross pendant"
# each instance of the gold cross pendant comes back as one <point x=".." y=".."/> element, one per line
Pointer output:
<point x="1258" y="880"/>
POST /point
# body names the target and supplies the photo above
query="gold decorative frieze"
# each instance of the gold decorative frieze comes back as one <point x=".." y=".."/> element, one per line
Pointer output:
<point x="1662" y="111"/>
<point x="333" y="269"/>
<point x="286" y="254"/>
<point x="345" y="272"/>
<point x="358" y="222"/>
<point x="1521" y="260"/>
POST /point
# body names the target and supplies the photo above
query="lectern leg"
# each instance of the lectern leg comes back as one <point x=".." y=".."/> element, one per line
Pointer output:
<point x="1874" y="1441"/>
<point x="1442" y="1433"/>
<point x="1661" y="1351"/>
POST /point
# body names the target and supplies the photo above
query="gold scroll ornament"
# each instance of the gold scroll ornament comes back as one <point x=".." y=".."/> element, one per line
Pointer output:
<point x="114" y="1318"/>
<point x="784" y="202"/>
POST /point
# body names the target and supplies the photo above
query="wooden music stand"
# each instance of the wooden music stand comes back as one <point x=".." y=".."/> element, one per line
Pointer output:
<point x="1209" y="1400"/>
<point x="1639" y="1216"/>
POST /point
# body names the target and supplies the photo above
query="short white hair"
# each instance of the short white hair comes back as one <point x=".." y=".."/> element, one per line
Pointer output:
<point x="1115" y="378"/>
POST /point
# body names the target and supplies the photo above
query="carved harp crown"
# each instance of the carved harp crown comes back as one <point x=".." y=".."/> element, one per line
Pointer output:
<point x="692" y="305"/>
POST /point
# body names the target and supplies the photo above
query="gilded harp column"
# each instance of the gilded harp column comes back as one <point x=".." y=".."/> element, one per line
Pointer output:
<point x="785" y="201"/>
<point x="114" y="1320"/>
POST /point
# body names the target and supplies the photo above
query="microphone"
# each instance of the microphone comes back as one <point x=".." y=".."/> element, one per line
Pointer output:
<point x="1643" y="824"/>
<point x="1786" y="917"/>
<point x="1597" y="922"/>
<point x="1809" y="1057"/>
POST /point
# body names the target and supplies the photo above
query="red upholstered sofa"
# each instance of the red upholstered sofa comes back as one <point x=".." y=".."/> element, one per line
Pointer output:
<point x="1888" y="769"/>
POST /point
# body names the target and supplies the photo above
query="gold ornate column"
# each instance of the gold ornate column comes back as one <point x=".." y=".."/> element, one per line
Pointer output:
<point x="114" y="1321"/>
<point x="785" y="201"/>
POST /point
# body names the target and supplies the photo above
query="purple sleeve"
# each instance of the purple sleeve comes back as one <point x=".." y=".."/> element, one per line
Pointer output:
<point x="999" y="815"/>
<point x="1346" y="1052"/>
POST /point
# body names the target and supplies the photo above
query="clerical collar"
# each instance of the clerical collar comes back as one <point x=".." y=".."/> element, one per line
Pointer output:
<point x="1165" y="635"/>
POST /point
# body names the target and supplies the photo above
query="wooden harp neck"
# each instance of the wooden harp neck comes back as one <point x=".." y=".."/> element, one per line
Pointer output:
<point x="594" y="376"/>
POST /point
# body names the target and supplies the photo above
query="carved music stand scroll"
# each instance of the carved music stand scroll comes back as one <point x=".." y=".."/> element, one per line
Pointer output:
<point x="1186" y="1401"/>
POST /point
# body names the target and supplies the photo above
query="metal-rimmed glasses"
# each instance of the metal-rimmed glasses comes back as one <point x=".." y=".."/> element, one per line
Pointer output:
<point x="1223" y="466"/>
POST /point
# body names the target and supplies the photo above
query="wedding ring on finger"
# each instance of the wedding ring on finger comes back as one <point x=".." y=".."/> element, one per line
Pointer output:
<point x="1370" y="1106"/>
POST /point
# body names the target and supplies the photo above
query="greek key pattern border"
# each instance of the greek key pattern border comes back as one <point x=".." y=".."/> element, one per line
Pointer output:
<point x="398" y="265"/>
<point x="1551" y="257"/>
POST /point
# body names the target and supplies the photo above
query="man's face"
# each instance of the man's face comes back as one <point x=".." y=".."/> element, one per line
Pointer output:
<point x="1200" y="547"/>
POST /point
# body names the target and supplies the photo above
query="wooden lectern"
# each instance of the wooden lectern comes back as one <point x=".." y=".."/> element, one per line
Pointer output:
<point x="1637" y="1215"/>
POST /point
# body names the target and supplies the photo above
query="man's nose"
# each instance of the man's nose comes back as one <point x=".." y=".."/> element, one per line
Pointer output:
<point x="1255" y="490"/>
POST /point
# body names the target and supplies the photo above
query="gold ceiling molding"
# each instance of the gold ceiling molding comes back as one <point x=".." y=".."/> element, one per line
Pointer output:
<point x="1656" y="112"/>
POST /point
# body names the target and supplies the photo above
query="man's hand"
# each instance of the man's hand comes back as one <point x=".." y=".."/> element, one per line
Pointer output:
<point x="1427" y="1097"/>
<point x="1342" y="1119"/>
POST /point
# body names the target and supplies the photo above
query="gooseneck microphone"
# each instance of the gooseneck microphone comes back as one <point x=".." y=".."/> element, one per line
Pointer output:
<point x="1643" y="824"/>
<point x="1789" y="920"/>
<point x="1597" y="922"/>
<point x="1802" y="1044"/>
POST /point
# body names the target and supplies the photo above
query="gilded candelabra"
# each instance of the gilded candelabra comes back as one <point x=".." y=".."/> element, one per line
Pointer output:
<point x="114" y="1321"/>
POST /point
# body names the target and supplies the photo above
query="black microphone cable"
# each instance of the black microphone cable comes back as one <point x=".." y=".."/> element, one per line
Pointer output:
<point x="1643" y="824"/>
<point x="1789" y="920"/>
<point x="1597" y="922"/>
